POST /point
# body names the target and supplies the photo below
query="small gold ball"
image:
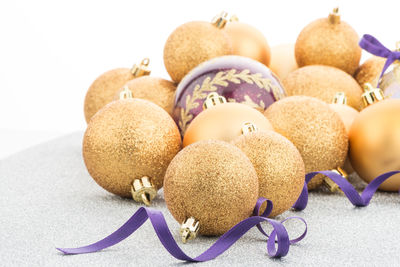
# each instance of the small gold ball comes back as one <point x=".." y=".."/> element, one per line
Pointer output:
<point x="315" y="129"/>
<point x="214" y="182"/>
<point x="103" y="90"/>
<point x="375" y="143"/>
<point x="129" y="139"/>
<point x="223" y="122"/>
<point x="156" y="90"/>
<point x="283" y="60"/>
<point x="370" y="71"/>
<point x="325" y="43"/>
<point x="191" y="44"/>
<point x="247" y="41"/>
<point x="323" y="82"/>
<point x="279" y="167"/>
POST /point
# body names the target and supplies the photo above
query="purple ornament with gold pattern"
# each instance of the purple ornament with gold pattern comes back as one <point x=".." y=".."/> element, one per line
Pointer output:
<point x="238" y="79"/>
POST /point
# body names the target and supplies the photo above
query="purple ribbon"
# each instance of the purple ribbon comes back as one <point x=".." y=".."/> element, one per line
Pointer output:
<point x="347" y="188"/>
<point x="372" y="45"/>
<point x="278" y="241"/>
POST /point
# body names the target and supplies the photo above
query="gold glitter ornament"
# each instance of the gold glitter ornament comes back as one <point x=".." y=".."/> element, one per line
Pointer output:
<point x="214" y="183"/>
<point x="222" y="121"/>
<point x="104" y="88"/>
<point x="315" y="129"/>
<point x="193" y="43"/>
<point x="329" y="41"/>
<point x="154" y="89"/>
<point x="128" y="145"/>
<point x="279" y="167"/>
<point x="370" y="71"/>
<point x="323" y="82"/>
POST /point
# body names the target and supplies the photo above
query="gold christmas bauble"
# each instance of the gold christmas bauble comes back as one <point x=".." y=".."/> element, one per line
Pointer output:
<point x="247" y="41"/>
<point x="223" y="122"/>
<point x="323" y="82"/>
<point x="104" y="88"/>
<point x="348" y="115"/>
<point x="279" y="167"/>
<point x="370" y="71"/>
<point x="213" y="182"/>
<point x="329" y="41"/>
<point x="375" y="143"/>
<point x="315" y="129"/>
<point x="283" y="60"/>
<point x="127" y="140"/>
<point x="154" y="89"/>
<point x="193" y="43"/>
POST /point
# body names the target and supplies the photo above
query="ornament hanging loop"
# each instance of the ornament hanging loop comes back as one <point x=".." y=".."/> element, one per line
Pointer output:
<point x="126" y="93"/>
<point x="220" y="20"/>
<point x="249" y="127"/>
<point x="189" y="229"/>
<point x="143" y="190"/>
<point x="141" y="69"/>
<point x="334" y="16"/>
<point x="213" y="99"/>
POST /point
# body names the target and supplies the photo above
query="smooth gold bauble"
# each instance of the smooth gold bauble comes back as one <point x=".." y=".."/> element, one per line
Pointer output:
<point x="283" y="60"/>
<point x="279" y="167"/>
<point x="315" y="129"/>
<point x="127" y="140"/>
<point x="156" y="90"/>
<point x="331" y="42"/>
<point x="247" y="41"/>
<point x="191" y="44"/>
<point x="348" y="115"/>
<point x="103" y="90"/>
<point x="370" y="71"/>
<point x="223" y="122"/>
<point x="323" y="82"/>
<point x="213" y="182"/>
<point x="375" y="142"/>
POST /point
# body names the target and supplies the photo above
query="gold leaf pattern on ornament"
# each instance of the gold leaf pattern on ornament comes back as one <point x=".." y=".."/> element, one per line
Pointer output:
<point x="223" y="78"/>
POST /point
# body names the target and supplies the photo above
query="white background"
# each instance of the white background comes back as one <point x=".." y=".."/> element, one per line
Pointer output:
<point x="51" y="51"/>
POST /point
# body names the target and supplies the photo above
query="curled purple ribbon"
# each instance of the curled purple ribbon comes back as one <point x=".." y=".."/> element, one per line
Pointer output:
<point x="278" y="241"/>
<point x="372" y="45"/>
<point x="347" y="188"/>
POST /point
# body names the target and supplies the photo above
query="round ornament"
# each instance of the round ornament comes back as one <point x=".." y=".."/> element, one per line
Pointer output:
<point x="370" y="71"/>
<point x="127" y="148"/>
<point x="283" y="60"/>
<point x="104" y="88"/>
<point x="154" y="89"/>
<point x="247" y="41"/>
<point x="193" y="43"/>
<point x="329" y="41"/>
<point x="238" y="79"/>
<point x="212" y="186"/>
<point x="222" y="121"/>
<point x="279" y="166"/>
<point x="316" y="131"/>
<point x="348" y="115"/>
<point x="374" y="140"/>
<point x="323" y="82"/>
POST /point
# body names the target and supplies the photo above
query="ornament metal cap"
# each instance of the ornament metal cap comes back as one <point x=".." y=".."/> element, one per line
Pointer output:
<point x="334" y="16"/>
<point x="371" y="95"/>
<point x="234" y="18"/>
<point x="249" y="127"/>
<point x="143" y="190"/>
<point x="189" y="229"/>
<point x="339" y="98"/>
<point x="220" y="20"/>
<point x="126" y="93"/>
<point x="213" y="99"/>
<point x="331" y="185"/>
<point x="141" y="69"/>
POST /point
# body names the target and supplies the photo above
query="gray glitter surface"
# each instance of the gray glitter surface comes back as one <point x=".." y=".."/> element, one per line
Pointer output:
<point x="48" y="200"/>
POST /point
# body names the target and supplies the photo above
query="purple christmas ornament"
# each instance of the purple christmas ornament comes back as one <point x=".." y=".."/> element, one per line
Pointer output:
<point x="238" y="79"/>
